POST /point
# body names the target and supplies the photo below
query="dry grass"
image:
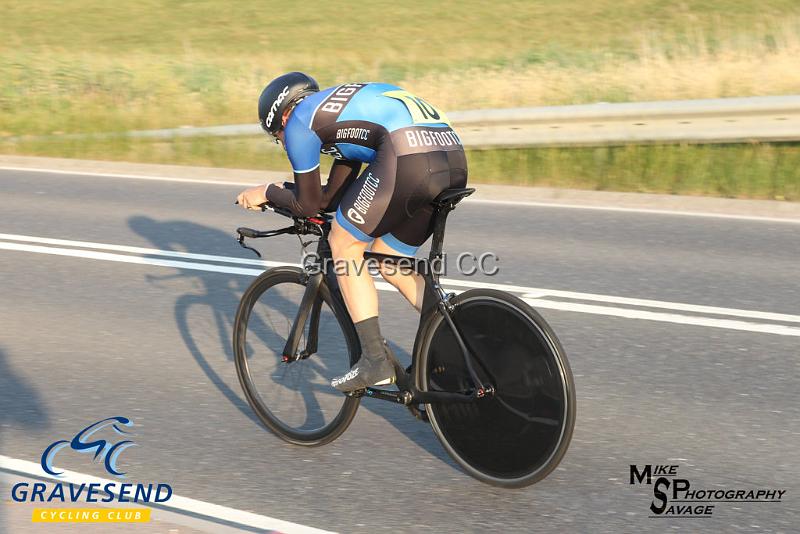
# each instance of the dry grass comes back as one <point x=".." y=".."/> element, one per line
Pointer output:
<point x="97" y="93"/>
<point x="154" y="64"/>
<point x="654" y="72"/>
<point x="83" y="66"/>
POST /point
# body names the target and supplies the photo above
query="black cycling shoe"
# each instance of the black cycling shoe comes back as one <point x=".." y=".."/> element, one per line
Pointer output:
<point x="365" y="373"/>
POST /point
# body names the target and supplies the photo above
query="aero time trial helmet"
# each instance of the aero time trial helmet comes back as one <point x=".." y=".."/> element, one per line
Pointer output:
<point x="282" y="93"/>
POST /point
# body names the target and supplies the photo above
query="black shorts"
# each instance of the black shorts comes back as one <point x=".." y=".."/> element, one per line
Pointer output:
<point x="392" y="198"/>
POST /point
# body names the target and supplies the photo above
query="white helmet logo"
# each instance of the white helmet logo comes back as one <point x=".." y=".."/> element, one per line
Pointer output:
<point x="275" y="105"/>
<point x="355" y="216"/>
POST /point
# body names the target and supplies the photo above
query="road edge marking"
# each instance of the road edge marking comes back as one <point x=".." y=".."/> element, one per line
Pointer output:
<point x="519" y="203"/>
<point x="176" y="504"/>
<point x="645" y="211"/>
<point x="156" y="178"/>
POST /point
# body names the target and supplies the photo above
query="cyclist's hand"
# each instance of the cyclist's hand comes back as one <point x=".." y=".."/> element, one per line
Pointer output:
<point x="252" y="198"/>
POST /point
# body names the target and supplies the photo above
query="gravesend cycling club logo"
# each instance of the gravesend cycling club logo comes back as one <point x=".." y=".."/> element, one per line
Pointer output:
<point x="105" y="441"/>
<point x="105" y="450"/>
<point x="677" y="497"/>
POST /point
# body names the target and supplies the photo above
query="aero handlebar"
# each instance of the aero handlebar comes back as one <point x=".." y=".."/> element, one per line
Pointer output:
<point x="302" y="226"/>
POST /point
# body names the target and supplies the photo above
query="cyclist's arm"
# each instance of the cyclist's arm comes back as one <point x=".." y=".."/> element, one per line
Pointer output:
<point x="302" y="147"/>
<point x="304" y="199"/>
<point x="343" y="173"/>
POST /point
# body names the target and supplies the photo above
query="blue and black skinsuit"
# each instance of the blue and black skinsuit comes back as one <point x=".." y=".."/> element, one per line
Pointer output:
<point x="410" y="150"/>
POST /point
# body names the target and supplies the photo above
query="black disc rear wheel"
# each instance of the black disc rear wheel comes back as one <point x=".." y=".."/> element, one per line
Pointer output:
<point x="517" y="436"/>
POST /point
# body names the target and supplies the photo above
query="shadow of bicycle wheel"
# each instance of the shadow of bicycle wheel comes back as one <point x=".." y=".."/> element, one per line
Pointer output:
<point x="220" y="300"/>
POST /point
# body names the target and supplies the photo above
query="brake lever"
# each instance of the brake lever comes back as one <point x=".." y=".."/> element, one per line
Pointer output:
<point x="241" y="243"/>
<point x="268" y="206"/>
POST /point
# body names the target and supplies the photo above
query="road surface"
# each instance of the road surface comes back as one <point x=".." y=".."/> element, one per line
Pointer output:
<point x="700" y="370"/>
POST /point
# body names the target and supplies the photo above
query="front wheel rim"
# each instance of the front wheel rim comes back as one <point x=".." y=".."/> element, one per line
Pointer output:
<point x="261" y="398"/>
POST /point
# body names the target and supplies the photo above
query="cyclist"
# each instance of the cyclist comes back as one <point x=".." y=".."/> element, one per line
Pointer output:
<point x="412" y="155"/>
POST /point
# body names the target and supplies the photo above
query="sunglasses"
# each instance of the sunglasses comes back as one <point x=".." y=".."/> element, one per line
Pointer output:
<point x="273" y="136"/>
<point x="283" y="123"/>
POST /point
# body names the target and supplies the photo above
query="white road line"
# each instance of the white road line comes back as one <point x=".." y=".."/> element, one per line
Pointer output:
<point x="107" y="256"/>
<point x="535" y="292"/>
<point x="647" y="211"/>
<point x="174" y="504"/>
<point x="628" y="313"/>
<point x="128" y="176"/>
<point x="533" y="295"/>
<point x="530" y="292"/>
<point x="521" y="203"/>
<point x="137" y="250"/>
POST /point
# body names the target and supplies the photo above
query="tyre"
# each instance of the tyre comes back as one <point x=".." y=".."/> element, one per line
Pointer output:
<point x="294" y="399"/>
<point x="517" y="436"/>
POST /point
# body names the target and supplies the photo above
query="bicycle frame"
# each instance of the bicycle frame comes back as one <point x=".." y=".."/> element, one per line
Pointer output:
<point x="435" y="300"/>
<point x="483" y="347"/>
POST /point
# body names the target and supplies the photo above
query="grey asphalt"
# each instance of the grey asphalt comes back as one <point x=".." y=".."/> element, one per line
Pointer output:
<point x="85" y="339"/>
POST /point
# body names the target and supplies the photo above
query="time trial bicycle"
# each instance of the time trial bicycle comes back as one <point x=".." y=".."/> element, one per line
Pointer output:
<point x="486" y="370"/>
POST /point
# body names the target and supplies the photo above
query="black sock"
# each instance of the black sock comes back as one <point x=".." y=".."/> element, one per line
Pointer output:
<point x="369" y="332"/>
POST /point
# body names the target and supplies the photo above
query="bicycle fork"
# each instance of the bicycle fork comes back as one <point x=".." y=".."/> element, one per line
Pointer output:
<point x="311" y="303"/>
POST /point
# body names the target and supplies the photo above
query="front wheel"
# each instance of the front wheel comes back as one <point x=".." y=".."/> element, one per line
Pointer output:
<point x="294" y="398"/>
<point x="517" y="436"/>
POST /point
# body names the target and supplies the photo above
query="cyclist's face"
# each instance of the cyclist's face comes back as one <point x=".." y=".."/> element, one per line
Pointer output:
<point x="279" y="135"/>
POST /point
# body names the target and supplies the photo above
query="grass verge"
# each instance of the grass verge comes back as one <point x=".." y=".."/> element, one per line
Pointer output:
<point x="756" y="171"/>
<point x="85" y="66"/>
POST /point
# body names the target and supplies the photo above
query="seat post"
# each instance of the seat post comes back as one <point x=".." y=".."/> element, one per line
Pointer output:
<point x="439" y="221"/>
<point x="444" y="203"/>
<point x="433" y="294"/>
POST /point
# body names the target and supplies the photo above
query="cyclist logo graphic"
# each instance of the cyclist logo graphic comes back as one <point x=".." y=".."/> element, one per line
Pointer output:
<point x="107" y="451"/>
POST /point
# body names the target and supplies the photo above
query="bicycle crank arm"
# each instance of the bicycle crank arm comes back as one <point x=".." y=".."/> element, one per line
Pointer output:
<point x="400" y="397"/>
<point x="442" y="397"/>
<point x="419" y="397"/>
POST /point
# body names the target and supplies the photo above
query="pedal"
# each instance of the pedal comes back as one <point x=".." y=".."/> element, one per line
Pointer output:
<point x="357" y="393"/>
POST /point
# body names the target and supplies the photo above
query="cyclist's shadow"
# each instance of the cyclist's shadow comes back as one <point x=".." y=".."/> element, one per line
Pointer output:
<point x="223" y="299"/>
<point x="220" y="299"/>
<point x="21" y="406"/>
